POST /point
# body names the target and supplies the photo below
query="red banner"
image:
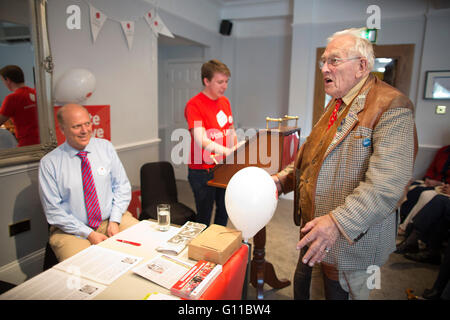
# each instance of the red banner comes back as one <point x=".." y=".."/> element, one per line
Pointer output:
<point x="101" y="123"/>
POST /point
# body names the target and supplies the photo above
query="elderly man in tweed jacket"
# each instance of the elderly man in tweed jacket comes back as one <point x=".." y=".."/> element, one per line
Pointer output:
<point x="350" y="173"/>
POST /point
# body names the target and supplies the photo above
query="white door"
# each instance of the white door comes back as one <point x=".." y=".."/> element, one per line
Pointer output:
<point x="181" y="81"/>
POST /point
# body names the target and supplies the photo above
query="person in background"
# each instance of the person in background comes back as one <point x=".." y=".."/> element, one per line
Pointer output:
<point x="422" y="191"/>
<point x="83" y="187"/>
<point x="20" y="106"/>
<point x="430" y="225"/>
<point x="350" y="173"/>
<point x="210" y="122"/>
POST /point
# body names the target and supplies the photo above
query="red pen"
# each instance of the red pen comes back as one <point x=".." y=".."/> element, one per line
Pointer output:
<point x="129" y="242"/>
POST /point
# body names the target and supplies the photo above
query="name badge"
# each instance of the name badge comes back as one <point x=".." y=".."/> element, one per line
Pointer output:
<point x="366" y="142"/>
<point x="101" y="171"/>
<point x="221" y="118"/>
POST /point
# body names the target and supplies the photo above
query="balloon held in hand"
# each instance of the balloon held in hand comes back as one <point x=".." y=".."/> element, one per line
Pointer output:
<point x="251" y="198"/>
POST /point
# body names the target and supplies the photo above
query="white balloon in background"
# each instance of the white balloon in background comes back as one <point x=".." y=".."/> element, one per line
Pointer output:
<point x="74" y="86"/>
<point x="251" y="198"/>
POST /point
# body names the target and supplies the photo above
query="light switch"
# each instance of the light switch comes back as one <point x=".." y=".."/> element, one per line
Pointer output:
<point x="441" y="109"/>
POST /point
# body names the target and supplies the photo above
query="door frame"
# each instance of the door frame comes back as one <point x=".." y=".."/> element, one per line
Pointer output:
<point x="168" y="127"/>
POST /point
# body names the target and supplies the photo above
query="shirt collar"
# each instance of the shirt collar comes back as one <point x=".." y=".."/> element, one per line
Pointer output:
<point x="73" y="152"/>
<point x="354" y="91"/>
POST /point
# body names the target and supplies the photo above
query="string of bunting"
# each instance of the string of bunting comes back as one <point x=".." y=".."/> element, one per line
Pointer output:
<point x="154" y="21"/>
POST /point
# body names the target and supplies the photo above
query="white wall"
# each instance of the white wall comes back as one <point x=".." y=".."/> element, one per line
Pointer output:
<point x="433" y="129"/>
<point x="20" y="201"/>
<point x="260" y="81"/>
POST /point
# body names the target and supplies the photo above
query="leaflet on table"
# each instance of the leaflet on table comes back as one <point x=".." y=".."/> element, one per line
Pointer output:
<point x="179" y="241"/>
<point x="99" y="264"/>
<point x="163" y="270"/>
<point x="54" y="284"/>
<point x="195" y="282"/>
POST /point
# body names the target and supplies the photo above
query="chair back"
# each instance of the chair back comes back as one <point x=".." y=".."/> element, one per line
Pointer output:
<point x="158" y="184"/>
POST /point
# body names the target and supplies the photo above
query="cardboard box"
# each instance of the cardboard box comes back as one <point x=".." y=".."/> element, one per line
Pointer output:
<point x="216" y="244"/>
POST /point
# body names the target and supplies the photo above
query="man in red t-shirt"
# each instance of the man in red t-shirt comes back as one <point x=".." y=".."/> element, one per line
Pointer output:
<point x="20" y="106"/>
<point x="210" y="123"/>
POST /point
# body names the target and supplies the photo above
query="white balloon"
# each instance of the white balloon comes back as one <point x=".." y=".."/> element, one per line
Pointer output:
<point x="74" y="86"/>
<point x="251" y="198"/>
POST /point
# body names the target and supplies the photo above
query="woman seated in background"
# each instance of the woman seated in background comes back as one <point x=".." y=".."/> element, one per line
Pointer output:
<point x="422" y="191"/>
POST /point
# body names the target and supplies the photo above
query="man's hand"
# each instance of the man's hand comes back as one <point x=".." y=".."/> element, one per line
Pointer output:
<point x="277" y="183"/>
<point x="432" y="183"/>
<point x="113" y="228"/>
<point x="96" y="237"/>
<point x="320" y="234"/>
<point x="446" y="189"/>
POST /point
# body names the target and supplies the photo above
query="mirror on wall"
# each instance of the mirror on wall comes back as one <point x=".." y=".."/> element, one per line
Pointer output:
<point x="26" y="113"/>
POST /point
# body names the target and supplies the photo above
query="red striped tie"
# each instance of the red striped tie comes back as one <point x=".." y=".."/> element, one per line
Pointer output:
<point x="90" y="194"/>
<point x="335" y="112"/>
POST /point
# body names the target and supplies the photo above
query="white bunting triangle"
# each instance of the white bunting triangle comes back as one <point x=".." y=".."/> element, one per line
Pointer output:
<point x="128" y="30"/>
<point x="98" y="18"/>
<point x="157" y="25"/>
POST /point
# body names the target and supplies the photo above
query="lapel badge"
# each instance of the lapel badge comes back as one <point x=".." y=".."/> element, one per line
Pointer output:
<point x="366" y="142"/>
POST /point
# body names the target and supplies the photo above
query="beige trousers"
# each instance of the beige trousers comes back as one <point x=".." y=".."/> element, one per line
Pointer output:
<point x="65" y="245"/>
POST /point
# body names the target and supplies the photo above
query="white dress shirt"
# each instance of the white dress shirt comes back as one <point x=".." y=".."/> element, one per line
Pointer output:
<point x="61" y="186"/>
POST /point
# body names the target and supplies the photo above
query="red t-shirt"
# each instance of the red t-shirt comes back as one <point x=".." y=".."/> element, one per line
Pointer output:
<point x="216" y="117"/>
<point x="20" y="106"/>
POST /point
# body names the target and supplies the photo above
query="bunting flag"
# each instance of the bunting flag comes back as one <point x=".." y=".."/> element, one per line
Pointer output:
<point x="128" y="30"/>
<point x="98" y="18"/>
<point x="156" y="23"/>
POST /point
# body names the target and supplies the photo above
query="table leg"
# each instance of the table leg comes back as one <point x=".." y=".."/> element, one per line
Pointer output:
<point x="263" y="271"/>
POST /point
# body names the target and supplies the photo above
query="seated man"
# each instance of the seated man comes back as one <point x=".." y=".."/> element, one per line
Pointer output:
<point x="83" y="187"/>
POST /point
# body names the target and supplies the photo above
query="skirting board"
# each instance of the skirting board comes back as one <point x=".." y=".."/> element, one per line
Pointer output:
<point x="24" y="268"/>
<point x="138" y="145"/>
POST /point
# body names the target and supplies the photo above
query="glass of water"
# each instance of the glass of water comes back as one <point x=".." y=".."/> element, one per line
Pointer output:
<point x="163" y="211"/>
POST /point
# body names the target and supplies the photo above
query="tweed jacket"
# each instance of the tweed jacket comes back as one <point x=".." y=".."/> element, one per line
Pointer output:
<point x="361" y="176"/>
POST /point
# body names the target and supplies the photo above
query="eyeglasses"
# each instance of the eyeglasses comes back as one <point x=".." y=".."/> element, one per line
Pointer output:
<point x="334" y="61"/>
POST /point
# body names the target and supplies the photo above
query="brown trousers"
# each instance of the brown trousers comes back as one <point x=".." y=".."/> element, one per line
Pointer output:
<point x="65" y="245"/>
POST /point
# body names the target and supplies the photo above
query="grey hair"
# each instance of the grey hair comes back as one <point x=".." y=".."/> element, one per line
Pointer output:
<point x="363" y="47"/>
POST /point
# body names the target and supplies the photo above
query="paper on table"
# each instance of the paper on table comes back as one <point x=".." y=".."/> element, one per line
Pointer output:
<point x="181" y="239"/>
<point x="54" y="285"/>
<point x="146" y="233"/>
<point x="163" y="270"/>
<point x="99" y="264"/>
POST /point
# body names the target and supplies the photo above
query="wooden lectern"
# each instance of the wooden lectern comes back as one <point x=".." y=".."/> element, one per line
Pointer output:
<point x="272" y="150"/>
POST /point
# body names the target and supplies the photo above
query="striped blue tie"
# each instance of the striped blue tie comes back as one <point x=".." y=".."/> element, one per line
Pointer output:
<point x="90" y="194"/>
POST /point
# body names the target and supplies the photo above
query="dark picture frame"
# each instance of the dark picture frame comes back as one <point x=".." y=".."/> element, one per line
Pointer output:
<point x="437" y="85"/>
